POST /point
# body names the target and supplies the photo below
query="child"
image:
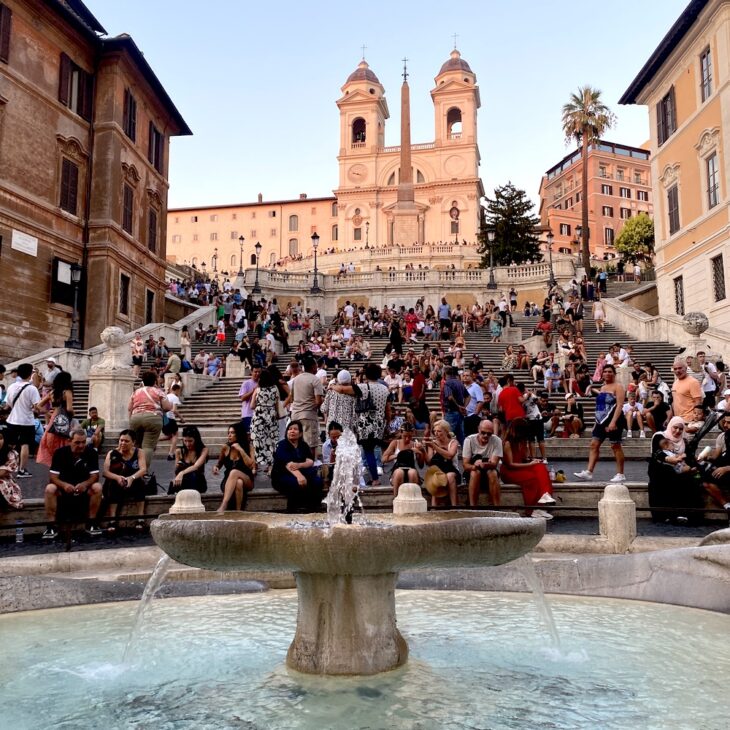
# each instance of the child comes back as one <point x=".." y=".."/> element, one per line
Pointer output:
<point x="698" y="420"/>
<point x="668" y="456"/>
<point x="633" y="411"/>
<point x="600" y="364"/>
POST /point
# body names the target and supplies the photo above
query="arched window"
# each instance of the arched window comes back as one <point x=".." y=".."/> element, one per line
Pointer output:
<point x="293" y="247"/>
<point x="358" y="130"/>
<point x="272" y="259"/>
<point x="194" y="262"/>
<point x="453" y="123"/>
<point x="233" y="260"/>
<point x="335" y="232"/>
<point x="293" y="223"/>
<point x="253" y="259"/>
<point x="334" y="210"/>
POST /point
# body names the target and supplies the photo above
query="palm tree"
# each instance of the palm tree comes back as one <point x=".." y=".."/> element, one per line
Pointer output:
<point x="585" y="119"/>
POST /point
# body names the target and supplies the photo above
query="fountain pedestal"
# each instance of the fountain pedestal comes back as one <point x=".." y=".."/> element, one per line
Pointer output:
<point x="346" y="625"/>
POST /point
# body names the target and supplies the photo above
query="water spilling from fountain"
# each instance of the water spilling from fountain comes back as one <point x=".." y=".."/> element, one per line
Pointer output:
<point x="343" y="495"/>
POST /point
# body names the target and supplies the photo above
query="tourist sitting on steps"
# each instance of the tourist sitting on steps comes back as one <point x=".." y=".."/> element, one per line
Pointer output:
<point x="190" y="459"/>
<point x="294" y="474"/>
<point x="482" y="454"/>
<point x="123" y="470"/>
<point x="406" y="454"/>
<point x="239" y="467"/>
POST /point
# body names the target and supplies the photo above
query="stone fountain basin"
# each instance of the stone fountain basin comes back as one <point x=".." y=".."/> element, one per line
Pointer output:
<point x="303" y="543"/>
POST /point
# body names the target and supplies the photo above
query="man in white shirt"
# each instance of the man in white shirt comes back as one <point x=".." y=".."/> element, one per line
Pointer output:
<point x="22" y="397"/>
<point x="349" y="312"/>
<point x="475" y="404"/>
<point x="347" y="333"/>
<point x="482" y="454"/>
<point x="710" y="379"/>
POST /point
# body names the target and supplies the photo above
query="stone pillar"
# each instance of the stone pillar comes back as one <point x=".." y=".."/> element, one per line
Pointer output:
<point x="617" y="518"/>
<point x="111" y="382"/>
<point x="409" y="500"/>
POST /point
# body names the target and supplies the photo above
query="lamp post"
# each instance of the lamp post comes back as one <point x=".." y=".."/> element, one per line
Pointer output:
<point x="550" y="239"/>
<point x="241" y="239"/>
<point x="73" y="342"/>
<point x="214" y="260"/>
<point x="256" y="288"/>
<point x="203" y="267"/>
<point x="367" y="234"/>
<point x="315" y="284"/>
<point x="491" y="235"/>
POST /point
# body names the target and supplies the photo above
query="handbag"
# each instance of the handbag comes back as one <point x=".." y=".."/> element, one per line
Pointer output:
<point x="365" y="405"/>
<point x="61" y="423"/>
<point x="150" y="484"/>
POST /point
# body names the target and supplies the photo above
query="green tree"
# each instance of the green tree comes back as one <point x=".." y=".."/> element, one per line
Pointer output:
<point x="636" y="240"/>
<point x="585" y="119"/>
<point x="509" y="214"/>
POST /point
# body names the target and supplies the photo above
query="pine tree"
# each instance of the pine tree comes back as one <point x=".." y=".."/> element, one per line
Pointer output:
<point x="510" y="215"/>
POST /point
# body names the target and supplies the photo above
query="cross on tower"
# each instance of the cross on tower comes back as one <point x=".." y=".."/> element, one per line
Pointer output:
<point x="363" y="51"/>
<point x="455" y="36"/>
<point x="405" y="69"/>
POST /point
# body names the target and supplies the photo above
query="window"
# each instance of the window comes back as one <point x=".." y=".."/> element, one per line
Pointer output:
<point x="718" y="278"/>
<point x="357" y="234"/>
<point x="75" y="88"/>
<point x="152" y="230"/>
<point x="176" y="239"/>
<point x="713" y="184"/>
<point x="213" y="236"/>
<point x="253" y="214"/>
<point x="607" y="210"/>
<point x="129" y="116"/>
<point x="234" y="216"/>
<point x="679" y="295"/>
<point x="453" y="123"/>
<point x="253" y="259"/>
<point x="62" y="289"/>
<point x="606" y="189"/>
<point x="602" y="172"/>
<point x="128" y="209"/>
<point x="620" y="174"/>
<point x="642" y="195"/>
<point x="313" y="211"/>
<point x="293" y="223"/>
<point x="335" y="232"/>
<point x="214" y="218"/>
<point x="253" y="233"/>
<point x="272" y="214"/>
<point x="673" y="209"/>
<point x="666" y="117"/>
<point x="564" y="229"/>
<point x="706" y="73"/>
<point x="359" y="128"/>
<point x="124" y="294"/>
<point x="625" y="213"/>
<point x="177" y="219"/>
<point x="195" y="236"/>
<point x="5" y="21"/>
<point x="234" y="235"/>
<point x="577" y="197"/>
<point x="155" y="147"/>
<point x="569" y="203"/>
<point x="149" y="310"/>
<point x="193" y="218"/>
<point x="293" y="247"/>
<point x="273" y="232"/>
<point x="637" y="178"/>
<point x="69" y="186"/>
<point x="334" y="210"/>
<point x="608" y="236"/>
<point x="624" y="192"/>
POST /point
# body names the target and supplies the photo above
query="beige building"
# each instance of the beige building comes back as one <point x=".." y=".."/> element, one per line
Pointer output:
<point x="364" y="211"/>
<point x="685" y="85"/>
<point x="619" y="187"/>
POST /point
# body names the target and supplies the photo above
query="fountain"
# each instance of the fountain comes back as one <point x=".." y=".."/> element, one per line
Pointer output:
<point x="345" y="573"/>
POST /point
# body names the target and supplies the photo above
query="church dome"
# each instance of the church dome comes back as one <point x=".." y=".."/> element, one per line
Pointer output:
<point x="362" y="73"/>
<point x="455" y="63"/>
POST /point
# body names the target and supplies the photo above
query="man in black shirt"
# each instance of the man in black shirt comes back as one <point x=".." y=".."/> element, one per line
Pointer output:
<point x="656" y="414"/>
<point x="74" y="475"/>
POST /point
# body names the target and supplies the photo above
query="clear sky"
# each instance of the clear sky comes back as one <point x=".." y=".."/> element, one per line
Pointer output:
<point x="257" y="82"/>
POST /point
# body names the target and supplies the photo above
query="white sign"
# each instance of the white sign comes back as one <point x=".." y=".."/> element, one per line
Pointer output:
<point x="64" y="273"/>
<point x="25" y="243"/>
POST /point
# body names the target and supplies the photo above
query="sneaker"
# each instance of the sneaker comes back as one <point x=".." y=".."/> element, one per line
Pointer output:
<point x="542" y="514"/>
<point x="50" y="534"/>
<point x="585" y="475"/>
<point x="618" y="479"/>
<point x="682" y="520"/>
<point x="642" y="435"/>
<point x="93" y="531"/>
<point x="726" y="506"/>
<point x="546" y="499"/>
<point x="23" y="474"/>
<point x="629" y="435"/>
<point x="171" y="457"/>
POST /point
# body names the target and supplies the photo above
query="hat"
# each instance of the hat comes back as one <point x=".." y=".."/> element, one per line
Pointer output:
<point x="52" y="359"/>
<point x="726" y="392"/>
<point x="435" y="482"/>
<point x="568" y="396"/>
<point x="344" y="377"/>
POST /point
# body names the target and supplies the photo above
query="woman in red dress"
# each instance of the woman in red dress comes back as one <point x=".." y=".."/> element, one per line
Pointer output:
<point x="531" y="475"/>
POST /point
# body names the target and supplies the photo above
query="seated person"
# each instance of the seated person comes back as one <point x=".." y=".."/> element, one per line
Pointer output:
<point x="9" y="489"/>
<point x="190" y="460"/>
<point x="634" y="413"/>
<point x="94" y="427"/>
<point x="545" y="329"/>
<point x="329" y="450"/>
<point x="74" y="475"/>
<point x="406" y="454"/>
<point x="293" y="473"/>
<point x="482" y="454"/>
<point x="676" y="460"/>
<point x="716" y="467"/>
<point x="698" y="420"/>
<point x="573" y="418"/>
<point x="124" y="467"/>
<point x="554" y="379"/>
<point x="656" y="413"/>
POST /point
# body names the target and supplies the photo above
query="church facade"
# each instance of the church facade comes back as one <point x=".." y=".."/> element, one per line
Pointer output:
<point x="386" y="195"/>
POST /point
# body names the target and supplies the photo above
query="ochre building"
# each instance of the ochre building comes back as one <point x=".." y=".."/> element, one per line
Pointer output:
<point x="84" y="132"/>
<point x="619" y="187"/>
<point x="685" y="86"/>
<point x="374" y="204"/>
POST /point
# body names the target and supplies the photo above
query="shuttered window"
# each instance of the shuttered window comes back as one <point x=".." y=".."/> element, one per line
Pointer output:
<point x="5" y="21"/>
<point x="75" y="88"/>
<point x="69" y="186"/>
<point x="152" y="231"/>
<point x="129" y="122"/>
<point x="666" y="117"/>
<point x="673" y="209"/>
<point x="128" y="209"/>
<point x="155" y="146"/>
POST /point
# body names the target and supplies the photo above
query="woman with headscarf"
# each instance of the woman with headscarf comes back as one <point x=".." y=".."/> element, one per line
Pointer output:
<point x="670" y="487"/>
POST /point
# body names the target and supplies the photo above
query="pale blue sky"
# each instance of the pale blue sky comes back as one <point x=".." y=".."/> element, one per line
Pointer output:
<point x="257" y="82"/>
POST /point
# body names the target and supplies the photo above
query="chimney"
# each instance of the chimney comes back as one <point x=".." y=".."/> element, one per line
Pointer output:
<point x="302" y="196"/>
<point x="261" y="197"/>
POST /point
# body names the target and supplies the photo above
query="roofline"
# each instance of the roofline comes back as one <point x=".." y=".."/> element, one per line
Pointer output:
<point x="79" y="15"/>
<point x="662" y="52"/>
<point x="601" y="141"/>
<point x="331" y="199"/>
<point x="126" y="43"/>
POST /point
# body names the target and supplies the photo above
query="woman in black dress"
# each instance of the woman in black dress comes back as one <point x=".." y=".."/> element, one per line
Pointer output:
<point x="124" y="468"/>
<point x="190" y="460"/>
<point x="239" y="467"/>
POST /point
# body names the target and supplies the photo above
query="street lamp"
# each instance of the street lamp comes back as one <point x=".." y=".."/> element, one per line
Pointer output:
<point x="73" y="342"/>
<point x="203" y="267"/>
<point x="550" y="239"/>
<point x="315" y="284"/>
<point x="490" y="245"/>
<point x="214" y="259"/>
<point x="256" y="288"/>
<point x="367" y="234"/>
<point x="241" y="239"/>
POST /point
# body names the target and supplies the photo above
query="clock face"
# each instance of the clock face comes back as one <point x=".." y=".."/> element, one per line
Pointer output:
<point x="357" y="173"/>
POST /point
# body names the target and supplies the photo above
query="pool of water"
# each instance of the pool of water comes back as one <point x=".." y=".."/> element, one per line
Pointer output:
<point x="477" y="660"/>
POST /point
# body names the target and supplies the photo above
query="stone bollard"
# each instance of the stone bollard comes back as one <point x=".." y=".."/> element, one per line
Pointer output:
<point x="409" y="500"/>
<point x="617" y="518"/>
<point x="187" y="500"/>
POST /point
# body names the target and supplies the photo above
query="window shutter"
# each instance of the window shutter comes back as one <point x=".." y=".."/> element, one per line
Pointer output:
<point x="660" y="123"/>
<point x="672" y="116"/>
<point x="151" y="143"/>
<point x="152" y="232"/>
<point x="125" y="113"/>
<point x="5" y="20"/>
<point x="63" y="200"/>
<point x="64" y="79"/>
<point x="73" y="187"/>
<point x="160" y="143"/>
<point x="87" y="96"/>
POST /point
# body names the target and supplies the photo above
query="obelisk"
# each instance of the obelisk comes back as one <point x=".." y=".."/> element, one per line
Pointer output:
<point x="405" y="213"/>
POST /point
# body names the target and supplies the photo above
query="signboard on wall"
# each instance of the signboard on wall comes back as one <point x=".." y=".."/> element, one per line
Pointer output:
<point x="24" y="243"/>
